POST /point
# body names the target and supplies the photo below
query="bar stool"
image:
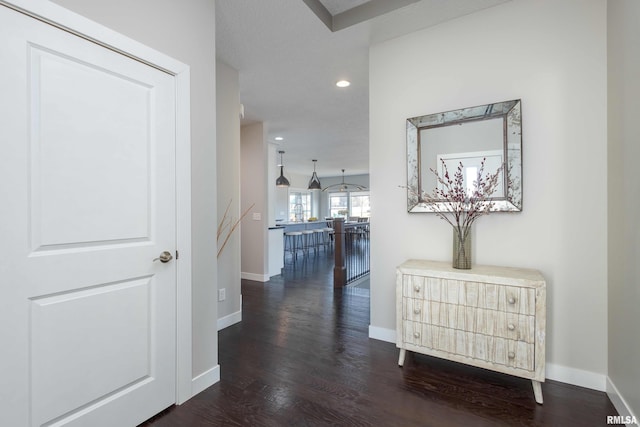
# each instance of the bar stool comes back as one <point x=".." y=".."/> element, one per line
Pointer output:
<point x="309" y="241"/>
<point x="321" y="237"/>
<point x="331" y="233"/>
<point x="293" y="243"/>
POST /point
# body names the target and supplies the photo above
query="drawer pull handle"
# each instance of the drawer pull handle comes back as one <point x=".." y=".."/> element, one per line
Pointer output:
<point x="417" y="289"/>
<point x="511" y="355"/>
<point x="511" y="300"/>
<point x="416" y="334"/>
<point x="416" y="311"/>
<point x="511" y="326"/>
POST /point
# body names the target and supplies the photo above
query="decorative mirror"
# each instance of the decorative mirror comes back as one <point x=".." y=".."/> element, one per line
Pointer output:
<point x="491" y="133"/>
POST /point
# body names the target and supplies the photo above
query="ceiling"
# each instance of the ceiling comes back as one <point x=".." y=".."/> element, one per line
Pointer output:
<point x="335" y="7"/>
<point x="289" y="55"/>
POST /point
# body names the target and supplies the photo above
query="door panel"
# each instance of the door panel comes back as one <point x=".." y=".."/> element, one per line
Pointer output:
<point x="113" y="357"/>
<point x="87" y="318"/>
<point x="105" y="177"/>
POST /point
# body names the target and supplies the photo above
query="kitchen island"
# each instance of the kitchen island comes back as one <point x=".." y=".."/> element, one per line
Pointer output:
<point x="306" y="225"/>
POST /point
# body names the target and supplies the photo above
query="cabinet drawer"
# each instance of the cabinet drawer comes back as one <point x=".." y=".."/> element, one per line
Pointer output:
<point x="414" y="286"/>
<point x="514" y="326"/>
<point x="484" y="348"/>
<point x="511" y="299"/>
<point x="516" y="354"/>
<point x="414" y="309"/>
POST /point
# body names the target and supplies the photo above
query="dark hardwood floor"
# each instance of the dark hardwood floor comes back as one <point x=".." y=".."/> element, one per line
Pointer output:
<point x="302" y="357"/>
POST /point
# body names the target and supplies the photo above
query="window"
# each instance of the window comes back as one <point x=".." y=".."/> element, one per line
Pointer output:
<point x="349" y="204"/>
<point x="299" y="205"/>
<point x="359" y="204"/>
<point x="338" y="205"/>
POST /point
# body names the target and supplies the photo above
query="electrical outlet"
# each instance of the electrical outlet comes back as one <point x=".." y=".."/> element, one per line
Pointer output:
<point x="222" y="294"/>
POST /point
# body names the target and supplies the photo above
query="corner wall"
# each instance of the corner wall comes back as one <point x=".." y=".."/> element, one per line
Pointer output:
<point x="553" y="56"/>
<point x="624" y="205"/>
<point x="228" y="173"/>
<point x="254" y="176"/>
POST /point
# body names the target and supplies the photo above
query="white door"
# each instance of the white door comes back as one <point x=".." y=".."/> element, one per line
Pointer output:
<point x="87" y="201"/>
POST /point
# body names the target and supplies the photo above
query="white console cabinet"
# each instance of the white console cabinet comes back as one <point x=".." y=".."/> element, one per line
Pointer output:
<point x="490" y="317"/>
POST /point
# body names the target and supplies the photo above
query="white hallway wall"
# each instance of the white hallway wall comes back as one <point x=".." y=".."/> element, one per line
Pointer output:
<point x="552" y="55"/>
<point x="624" y="202"/>
<point x="228" y="172"/>
<point x="254" y="191"/>
<point x="186" y="32"/>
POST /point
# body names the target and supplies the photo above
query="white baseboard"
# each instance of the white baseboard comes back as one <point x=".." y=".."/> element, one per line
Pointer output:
<point x="382" y="334"/>
<point x="255" y="277"/>
<point x="555" y="372"/>
<point x="231" y="319"/>
<point x="205" y="380"/>
<point x="577" y="377"/>
<point x="618" y="401"/>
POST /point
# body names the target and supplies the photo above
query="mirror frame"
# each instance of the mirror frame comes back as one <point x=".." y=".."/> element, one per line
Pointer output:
<point x="510" y="111"/>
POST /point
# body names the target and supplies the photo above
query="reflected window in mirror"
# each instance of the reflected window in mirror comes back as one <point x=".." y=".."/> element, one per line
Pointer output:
<point x="471" y="164"/>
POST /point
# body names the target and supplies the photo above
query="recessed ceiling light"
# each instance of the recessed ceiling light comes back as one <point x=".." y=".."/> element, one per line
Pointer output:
<point x="343" y="83"/>
<point x="279" y="138"/>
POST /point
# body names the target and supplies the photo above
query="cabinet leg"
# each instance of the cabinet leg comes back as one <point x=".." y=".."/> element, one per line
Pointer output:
<point x="537" y="391"/>
<point x="403" y="353"/>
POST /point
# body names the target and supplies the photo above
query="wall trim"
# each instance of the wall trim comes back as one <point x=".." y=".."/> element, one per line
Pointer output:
<point x="382" y="334"/>
<point x="578" y="377"/>
<point x="618" y="401"/>
<point x="205" y="380"/>
<point x="231" y="319"/>
<point x="255" y="277"/>
<point x="554" y="372"/>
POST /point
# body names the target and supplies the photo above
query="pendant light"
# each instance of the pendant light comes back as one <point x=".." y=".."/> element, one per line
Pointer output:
<point x="282" y="181"/>
<point x="314" y="183"/>
<point x="344" y="186"/>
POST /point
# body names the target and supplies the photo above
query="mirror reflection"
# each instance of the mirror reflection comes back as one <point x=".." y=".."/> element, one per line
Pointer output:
<point x="489" y="132"/>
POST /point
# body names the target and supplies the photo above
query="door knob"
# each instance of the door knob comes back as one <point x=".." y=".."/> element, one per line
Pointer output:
<point x="164" y="257"/>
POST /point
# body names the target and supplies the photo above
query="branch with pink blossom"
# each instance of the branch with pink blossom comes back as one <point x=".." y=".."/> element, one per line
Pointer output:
<point x="458" y="205"/>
